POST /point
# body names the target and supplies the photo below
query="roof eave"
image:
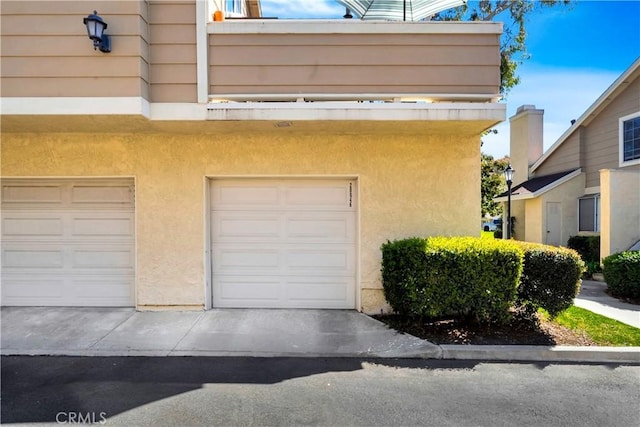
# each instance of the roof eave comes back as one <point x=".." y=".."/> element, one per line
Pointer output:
<point x="542" y="190"/>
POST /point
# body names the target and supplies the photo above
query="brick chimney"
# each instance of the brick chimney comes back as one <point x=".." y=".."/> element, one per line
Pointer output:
<point x="525" y="140"/>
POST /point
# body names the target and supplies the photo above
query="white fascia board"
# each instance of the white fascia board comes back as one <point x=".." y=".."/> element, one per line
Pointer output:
<point x="462" y="111"/>
<point x="75" y="106"/>
<point x="350" y="26"/>
<point x="202" y="49"/>
<point x="177" y="111"/>
<point x="543" y="190"/>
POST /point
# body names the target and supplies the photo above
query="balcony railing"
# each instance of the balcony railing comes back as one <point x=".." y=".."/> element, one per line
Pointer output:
<point x="289" y="61"/>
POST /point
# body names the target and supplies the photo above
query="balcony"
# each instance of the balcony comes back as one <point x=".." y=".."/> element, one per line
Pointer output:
<point x="340" y="66"/>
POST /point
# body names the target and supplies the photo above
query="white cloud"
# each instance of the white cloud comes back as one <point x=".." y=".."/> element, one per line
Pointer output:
<point x="564" y="94"/>
<point x="302" y="9"/>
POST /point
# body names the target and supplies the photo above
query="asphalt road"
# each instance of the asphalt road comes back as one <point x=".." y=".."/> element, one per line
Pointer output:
<point x="200" y="391"/>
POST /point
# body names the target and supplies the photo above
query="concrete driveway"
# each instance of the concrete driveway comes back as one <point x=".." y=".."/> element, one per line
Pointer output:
<point x="221" y="332"/>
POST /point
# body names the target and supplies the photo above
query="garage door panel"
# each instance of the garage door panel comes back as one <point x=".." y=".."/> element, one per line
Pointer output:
<point x="319" y="196"/>
<point x="32" y="259"/>
<point x="24" y="226"/>
<point x="318" y="292"/>
<point x="247" y="258"/>
<point x="56" y="290"/>
<point x="283" y="243"/>
<point x="322" y="226"/>
<point x="103" y="259"/>
<point x="31" y="291"/>
<point x="101" y="194"/>
<point x="234" y="196"/>
<point x="35" y="226"/>
<point x="103" y="226"/>
<point x="321" y="261"/>
<point x="249" y="288"/>
<point x="32" y="194"/>
<point x="229" y="226"/>
<point x="115" y="290"/>
<point x="284" y="227"/>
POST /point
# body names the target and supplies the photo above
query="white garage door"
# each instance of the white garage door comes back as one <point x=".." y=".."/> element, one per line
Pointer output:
<point x="283" y="243"/>
<point x="67" y="242"/>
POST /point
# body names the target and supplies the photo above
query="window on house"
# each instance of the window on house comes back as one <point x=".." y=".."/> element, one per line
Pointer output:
<point x="630" y="139"/>
<point x="233" y="7"/>
<point x="589" y="213"/>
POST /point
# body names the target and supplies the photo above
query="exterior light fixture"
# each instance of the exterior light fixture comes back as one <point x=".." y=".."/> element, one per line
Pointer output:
<point x="508" y="174"/>
<point x="95" y="29"/>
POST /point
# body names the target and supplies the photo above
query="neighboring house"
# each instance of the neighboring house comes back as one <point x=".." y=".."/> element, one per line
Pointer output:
<point x="244" y="163"/>
<point x="588" y="182"/>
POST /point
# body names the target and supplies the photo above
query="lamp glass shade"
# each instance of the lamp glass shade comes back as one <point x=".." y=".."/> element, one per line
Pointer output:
<point x="508" y="173"/>
<point x="95" y="26"/>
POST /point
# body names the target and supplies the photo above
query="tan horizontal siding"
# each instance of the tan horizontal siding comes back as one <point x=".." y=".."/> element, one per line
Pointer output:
<point x="173" y="51"/>
<point x="343" y="55"/>
<point x="60" y="25"/>
<point x="174" y="93"/>
<point x="173" y="54"/>
<point x="46" y="51"/>
<point x="316" y="79"/>
<point x="75" y="67"/>
<point x="564" y="158"/>
<point x="67" y="46"/>
<point x="602" y="139"/>
<point x="48" y="7"/>
<point x="172" y="12"/>
<point x="353" y="63"/>
<point x="174" y="34"/>
<point x="77" y="86"/>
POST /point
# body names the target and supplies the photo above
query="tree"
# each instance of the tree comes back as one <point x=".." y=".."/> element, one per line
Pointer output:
<point x="492" y="183"/>
<point x="513" y="48"/>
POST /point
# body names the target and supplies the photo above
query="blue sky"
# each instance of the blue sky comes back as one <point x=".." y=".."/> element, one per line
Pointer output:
<point x="576" y="53"/>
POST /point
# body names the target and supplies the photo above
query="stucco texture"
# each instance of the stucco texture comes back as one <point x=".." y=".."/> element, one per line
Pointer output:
<point x="415" y="183"/>
<point x="620" y="210"/>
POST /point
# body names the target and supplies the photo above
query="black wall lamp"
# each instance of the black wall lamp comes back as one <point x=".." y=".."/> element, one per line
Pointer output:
<point x="95" y="28"/>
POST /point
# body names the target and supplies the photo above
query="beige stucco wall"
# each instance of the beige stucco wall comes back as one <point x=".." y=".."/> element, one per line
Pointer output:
<point x="414" y="183"/>
<point x="619" y="210"/>
<point x="533" y="223"/>
<point x="518" y="212"/>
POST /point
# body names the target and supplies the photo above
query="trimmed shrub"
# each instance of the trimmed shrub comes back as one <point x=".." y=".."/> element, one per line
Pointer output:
<point x="622" y="274"/>
<point x="587" y="246"/>
<point x="452" y="276"/>
<point x="550" y="278"/>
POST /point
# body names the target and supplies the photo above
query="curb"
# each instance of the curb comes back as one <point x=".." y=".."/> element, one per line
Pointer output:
<point x="532" y="353"/>
<point x="487" y="353"/>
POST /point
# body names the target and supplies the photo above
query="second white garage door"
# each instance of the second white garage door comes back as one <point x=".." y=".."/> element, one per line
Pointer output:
<point x="283" y="243"/>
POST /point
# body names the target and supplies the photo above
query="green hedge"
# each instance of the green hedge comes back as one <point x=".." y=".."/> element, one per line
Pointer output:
<point x="622" y="274"/>
<point x="454" y="276"/>
<point x="550" y="277"/>
<point x="587" y="246"/>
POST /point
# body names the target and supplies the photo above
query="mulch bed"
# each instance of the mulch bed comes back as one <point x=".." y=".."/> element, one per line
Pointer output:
<point x="520" y="331"/>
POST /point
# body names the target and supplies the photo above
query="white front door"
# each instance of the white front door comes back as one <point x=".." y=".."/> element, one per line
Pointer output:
<point x="67" y="242"/>
<point x="283" y="243"/>
<point x="554" y="223"/>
